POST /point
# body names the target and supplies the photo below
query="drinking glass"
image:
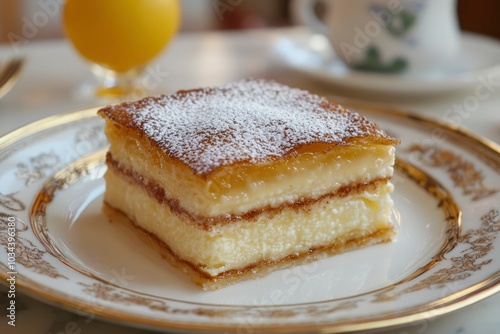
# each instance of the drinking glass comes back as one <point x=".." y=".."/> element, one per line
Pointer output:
<point x="118" y="38"/>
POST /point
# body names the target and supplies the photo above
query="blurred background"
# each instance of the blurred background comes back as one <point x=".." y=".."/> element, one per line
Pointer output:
<point x="41" y="18"/>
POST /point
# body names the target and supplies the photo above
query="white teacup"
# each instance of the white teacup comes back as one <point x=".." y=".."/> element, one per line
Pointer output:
<point x="388" y="36"/>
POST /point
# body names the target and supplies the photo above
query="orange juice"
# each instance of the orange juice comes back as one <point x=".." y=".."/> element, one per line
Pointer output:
<point x="120" y="35"/>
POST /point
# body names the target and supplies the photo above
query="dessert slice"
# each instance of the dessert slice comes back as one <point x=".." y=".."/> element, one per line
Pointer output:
<point x="236" y="181"/>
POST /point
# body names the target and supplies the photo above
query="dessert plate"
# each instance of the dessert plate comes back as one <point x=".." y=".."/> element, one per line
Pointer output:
<point x="311" y="54"/>
<point x="446" y="254"/>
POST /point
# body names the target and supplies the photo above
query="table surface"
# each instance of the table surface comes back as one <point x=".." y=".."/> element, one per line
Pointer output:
<point x="55" y="78"/>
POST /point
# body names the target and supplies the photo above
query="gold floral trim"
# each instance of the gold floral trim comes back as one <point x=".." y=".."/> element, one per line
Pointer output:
<point x="10" y="202"/>
<point x="110" y="293"/>
<point x="38" y="167"/>
<point x="476" y="243"/>
<point x="27" y="254"/>
<point x="463" y="173"/>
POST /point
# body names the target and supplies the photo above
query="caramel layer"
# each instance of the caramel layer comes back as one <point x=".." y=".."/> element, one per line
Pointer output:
<point x="156" y="191"/>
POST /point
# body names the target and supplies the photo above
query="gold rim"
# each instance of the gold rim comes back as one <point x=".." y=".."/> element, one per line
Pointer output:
<point x="452" y="302"/>
<point x="458" y="300"/>
<point x="42" y="125"/>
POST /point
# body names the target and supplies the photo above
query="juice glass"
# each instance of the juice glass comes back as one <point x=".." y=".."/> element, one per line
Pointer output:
<point x="119" y="37"/>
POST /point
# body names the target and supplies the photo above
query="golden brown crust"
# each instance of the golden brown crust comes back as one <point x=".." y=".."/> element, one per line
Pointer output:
<point x="157" y="193"/>
<point x="255" y="270"/>
<point x="345" y="129"/>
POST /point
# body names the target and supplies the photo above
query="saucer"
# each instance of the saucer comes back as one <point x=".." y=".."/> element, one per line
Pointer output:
<point x="311" y="54"/>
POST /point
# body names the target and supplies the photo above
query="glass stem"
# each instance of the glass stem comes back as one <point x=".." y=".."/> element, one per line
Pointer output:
<point x="116" y="84"/>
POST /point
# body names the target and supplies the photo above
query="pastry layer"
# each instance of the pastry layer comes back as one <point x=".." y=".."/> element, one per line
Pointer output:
<point x="314" y="171"/>
<point x="245" y="122"/>
<point x="253" y="271"/>
<point x="269" y="237"/>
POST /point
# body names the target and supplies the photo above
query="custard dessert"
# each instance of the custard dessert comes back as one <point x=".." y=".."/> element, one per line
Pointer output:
<point x="234" y="182"/>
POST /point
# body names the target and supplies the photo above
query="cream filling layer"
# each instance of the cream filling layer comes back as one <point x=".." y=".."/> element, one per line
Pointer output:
<point x="238" y="189"/>
<point x="266" y="238"/>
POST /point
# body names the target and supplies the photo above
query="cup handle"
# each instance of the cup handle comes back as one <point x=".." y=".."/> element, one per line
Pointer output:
<point x="302" y="11"/>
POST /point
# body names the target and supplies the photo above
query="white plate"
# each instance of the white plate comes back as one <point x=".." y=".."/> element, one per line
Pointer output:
<point x="312" y="55"/>
<point x="446" y="254"/>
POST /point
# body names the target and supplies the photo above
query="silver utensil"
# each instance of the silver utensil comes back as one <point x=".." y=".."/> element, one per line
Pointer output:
<point x="9" y="73"/>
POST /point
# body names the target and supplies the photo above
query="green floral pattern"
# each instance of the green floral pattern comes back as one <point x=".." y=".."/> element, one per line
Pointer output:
<point x="398" y="26"/>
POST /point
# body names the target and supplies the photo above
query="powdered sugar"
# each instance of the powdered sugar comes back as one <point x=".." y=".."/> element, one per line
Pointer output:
<point x="250" y="120"/>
